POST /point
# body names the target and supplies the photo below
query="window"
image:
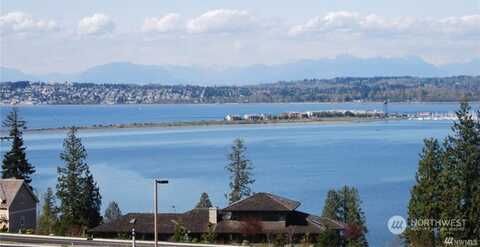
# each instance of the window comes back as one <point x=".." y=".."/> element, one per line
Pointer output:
<point x="227" y="216"/>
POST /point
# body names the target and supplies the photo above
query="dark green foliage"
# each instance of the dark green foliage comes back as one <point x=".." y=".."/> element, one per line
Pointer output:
<point x="91" y="201"/>
<point x="204" y="201"/>
<point x="353" y="217"/>
<point x="112" y="212"/>
<point x="180" y="234"/>
<point x="448" y="183"/>
<point x="48" y="218"/>
<point x="240" y="169"/>
<point x="280" y="240"/>
<point x="331" y="209"/>
<point x="329" y="238"/>
<point x="210" y="236"/>
<point x="344" y="206"/>
<point x="462" y="175"/>
<point x="402" y="88"/>
<point x="77" y="191"/>
<point x="70" y="179"/>
<point x="15" y="163"/>
<point x="425" y="199"/>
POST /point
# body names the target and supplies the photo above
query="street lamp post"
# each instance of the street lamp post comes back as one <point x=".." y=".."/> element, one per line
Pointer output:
<point x="133" y="221"/>
<point x="155" y="205"/>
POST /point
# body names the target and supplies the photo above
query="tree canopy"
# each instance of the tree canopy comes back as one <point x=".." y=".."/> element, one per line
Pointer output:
<point x="240" y="169"/>
<point x="15" y="163"/>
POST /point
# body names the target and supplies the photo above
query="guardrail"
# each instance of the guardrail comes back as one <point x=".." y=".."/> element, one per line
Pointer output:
<point x="18" y="238"/>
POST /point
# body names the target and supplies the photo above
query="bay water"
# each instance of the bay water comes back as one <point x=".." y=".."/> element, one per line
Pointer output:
<point x="297" y="161"/>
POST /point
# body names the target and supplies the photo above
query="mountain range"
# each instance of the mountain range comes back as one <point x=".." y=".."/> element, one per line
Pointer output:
<point x="341" y="66"/>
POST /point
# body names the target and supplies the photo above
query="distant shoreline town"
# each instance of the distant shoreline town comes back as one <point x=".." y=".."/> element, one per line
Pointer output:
<point x="314" y="117"/>
<point x="349" y="89"/>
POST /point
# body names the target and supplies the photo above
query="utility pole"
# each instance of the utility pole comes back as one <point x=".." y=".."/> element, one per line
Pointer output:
<point x="133" y="221"/>
<point x="155" y="205"/>
<point x="385" y="108"/>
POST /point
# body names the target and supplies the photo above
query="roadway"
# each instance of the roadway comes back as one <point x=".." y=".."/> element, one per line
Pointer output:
<point x="24" y="240"/>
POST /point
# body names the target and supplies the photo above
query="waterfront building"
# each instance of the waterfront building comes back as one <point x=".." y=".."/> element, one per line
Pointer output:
<point x="258" y="218"/>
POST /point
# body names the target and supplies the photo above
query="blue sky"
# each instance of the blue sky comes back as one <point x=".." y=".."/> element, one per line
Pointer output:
<point x="68" y="36"/>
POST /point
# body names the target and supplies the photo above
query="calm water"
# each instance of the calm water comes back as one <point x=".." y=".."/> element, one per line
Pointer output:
<point x="46" y="116"/>
<point x="300" y="161"/>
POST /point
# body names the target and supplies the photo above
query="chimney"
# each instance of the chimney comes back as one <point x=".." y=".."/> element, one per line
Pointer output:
<point x="212" y="215"/>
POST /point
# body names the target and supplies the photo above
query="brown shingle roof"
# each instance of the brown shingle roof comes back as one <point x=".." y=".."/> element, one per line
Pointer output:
<point x="196" y="221"/>
<point x="263" y="202"/>
<point x="9" y="189"/>
<point x="327" y="222"/>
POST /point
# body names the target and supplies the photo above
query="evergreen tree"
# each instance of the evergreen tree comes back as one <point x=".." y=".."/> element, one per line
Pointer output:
<point x="331" y="210"/>
<point x="69" y="187"/>
<point x="332" y="205"/>
<point x="112" y="212"/>
<point x="344" y="206"/>
<point x="353" y="217"/>
<point x="426" y="195"/>
<point x="48" y="218"/>
<point x="15" y="163"/>
<point x="461" y="175"/>
<point x="79" y="195"/>
<point x="91" y="201"/>
<point x="240" y="169"/>
<point x="204" y="201"/>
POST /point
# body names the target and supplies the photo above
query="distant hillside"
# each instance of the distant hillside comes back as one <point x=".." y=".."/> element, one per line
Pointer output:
<point x="314" y="90"/>
<point x="341" y="66"/>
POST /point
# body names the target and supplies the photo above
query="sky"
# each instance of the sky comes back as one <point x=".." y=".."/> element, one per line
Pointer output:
<point x="58" y="36"/>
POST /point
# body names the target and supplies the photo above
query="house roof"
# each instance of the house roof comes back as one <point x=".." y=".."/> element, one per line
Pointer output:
<point x="9" y="189"/>
<point x="263" y="202"/>
<point x="195" y="220"/>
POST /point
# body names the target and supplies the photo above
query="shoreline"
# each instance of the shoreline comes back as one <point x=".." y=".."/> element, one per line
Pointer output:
<point x="235" y="103"/>
<point x="212" y="123"/>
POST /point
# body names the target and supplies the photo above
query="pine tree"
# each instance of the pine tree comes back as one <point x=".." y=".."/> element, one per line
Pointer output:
<point x="204" y="201"/>
<point x="240" y="169"/>
<point x="112" y="212"/>
<point x="426" y="195"/>
<point x="69" y="187"/>
<point x="79" y="195"/>
<point x="353" y="218"/>
<point x="331" y="210"/>
<point x="332" y="205"/>
<point x="461" y="175"/>
<point x="15" y="163"/>
<point x="91" y="201"/>
<point x="48" y="218"/>
<point x="344" y="206"/>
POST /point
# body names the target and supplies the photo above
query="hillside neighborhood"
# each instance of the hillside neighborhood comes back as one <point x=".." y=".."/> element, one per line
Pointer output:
<point x="348" y="89"/>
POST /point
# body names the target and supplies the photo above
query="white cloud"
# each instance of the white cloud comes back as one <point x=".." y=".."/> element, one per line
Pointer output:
<point x="96" y="24"/>
<point x="222" y="21"/>
<point x="468" y="25"/>
<point x="19" y="22"/>
<point x="355" y="23"/>
<point x="167" y="23"/>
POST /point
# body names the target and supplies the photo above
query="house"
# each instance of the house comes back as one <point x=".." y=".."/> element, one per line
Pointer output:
<point x="258" y="218"/>
<point x="252" y="117"/>
<point x="230" y="118"/>
<point x="18" y="205"/>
